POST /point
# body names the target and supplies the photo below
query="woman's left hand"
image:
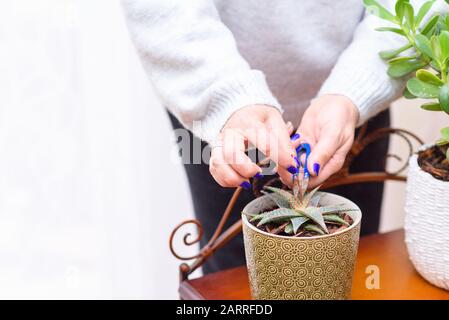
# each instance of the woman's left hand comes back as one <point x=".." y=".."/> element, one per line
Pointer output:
<point x="328" y="125"/>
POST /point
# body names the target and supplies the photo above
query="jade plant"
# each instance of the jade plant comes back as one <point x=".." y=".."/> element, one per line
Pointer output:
<point x="300" y="216"/>
<point x="424" y="57"/>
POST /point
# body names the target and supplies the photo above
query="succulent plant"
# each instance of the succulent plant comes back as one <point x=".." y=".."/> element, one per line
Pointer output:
<point x="295" y="215"/>
<point x="425" y="53"/>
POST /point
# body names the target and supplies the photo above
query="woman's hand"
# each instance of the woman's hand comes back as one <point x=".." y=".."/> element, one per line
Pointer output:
<point x="263" y="127"/>
<point x="328" y="125"/>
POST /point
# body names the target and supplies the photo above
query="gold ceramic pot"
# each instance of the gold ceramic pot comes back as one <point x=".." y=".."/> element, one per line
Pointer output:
<point x="290" y="268"/>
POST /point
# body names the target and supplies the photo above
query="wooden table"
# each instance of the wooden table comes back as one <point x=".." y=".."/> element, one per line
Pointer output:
<point x="398" y="278"/>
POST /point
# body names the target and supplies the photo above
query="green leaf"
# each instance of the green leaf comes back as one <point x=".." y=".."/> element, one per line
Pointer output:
<point x="400" y="58"/>
<point x="442" y="142"/>
<point x="280" y="200"/>
<point x="423" y="11"/>
<point x="390" y="29"/>
<point x="402" y="68"/>
<point x="421" y="89"/>
<point x="445" y="133"/>
<point x="285" y="195"/>
<point x="447" y="153"/>
<point x="443" y="97"/>
<point x="289" y="229"/>
<point x="373" y="7"/>
<point x="308" y="196"/>
<point x="444" y="45"/>
<point x="315" y="215"/>
<point x="335" y="218"/>
<point x="340" y="208"/>
<point x="407" y="94"/>
<point x="276" y="215"/>
<point x="428" y="27"/>
<point x="389" y="54"/>
<point x="431" y="106"/>
<point x="436" y="48"/>
<point x="399" y="9"/>
<point x="409" y="14"/>
<point x="429" y="77"/>
<point x="298" y="222"/>
<point x="424" y="45"/>
<point x="314" y="228"/>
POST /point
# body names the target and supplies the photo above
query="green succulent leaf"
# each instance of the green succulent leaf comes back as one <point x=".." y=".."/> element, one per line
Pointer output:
<point x="428" y="77"/>
<point x="399" y="9"/>
<point x="314" y="214"/>
<point x="336" y="219"/>
<point x="430" y="25"/>
<point x="308" y="196"/>
<point x="391" y="29"/>
<point x="423" y="11"/>
<point x="314" y="228"/>
<point x="409" y="14"/>
<point x="402" y="68"/>
<point x="443" y="39"/>
<point x="443" y="97"/>
<point x="276" y="215"/>
<point x="445" y="133"/>
<point x="431" y="106"/>
<point x="297" y="222"/>
<point x="442" y="142"/>
<point x="436" y="48"/>
<point x="390" y="54"/>
<point x="340" y="208"/>
<point x="289" y="229"/>
<point x="423" y="44"/>
<point x="280" y="200"/>
<point x="281" y="194"/>
<point x="373" y="7"/>
<point x="421" y="89"/>
<point x="407" y="94"/>
<point x="400" y="58"/>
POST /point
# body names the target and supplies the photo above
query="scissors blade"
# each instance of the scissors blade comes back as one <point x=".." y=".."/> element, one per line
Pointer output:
<point x="296" y="186"/>
<point x="304" y="185"/>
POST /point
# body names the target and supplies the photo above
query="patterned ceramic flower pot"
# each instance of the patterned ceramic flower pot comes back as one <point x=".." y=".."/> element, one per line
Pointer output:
<point x="290" y="268"/>
<point x="427" y="224"/>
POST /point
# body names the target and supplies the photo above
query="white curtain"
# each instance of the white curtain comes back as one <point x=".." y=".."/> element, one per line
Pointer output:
<point x="89" y="191"/>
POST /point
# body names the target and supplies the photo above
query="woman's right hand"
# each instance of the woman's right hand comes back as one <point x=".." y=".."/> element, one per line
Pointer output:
<point x="261" y="126"/>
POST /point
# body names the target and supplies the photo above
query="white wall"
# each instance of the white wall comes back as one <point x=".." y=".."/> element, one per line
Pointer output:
<point x="87" y="195"/>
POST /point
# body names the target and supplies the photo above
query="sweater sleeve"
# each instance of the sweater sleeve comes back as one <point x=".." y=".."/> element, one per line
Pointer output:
<point x="360" y="74"/>
<point x="192" y="61"/>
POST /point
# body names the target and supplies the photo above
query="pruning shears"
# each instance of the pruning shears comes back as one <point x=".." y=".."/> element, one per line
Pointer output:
<point x="300" y="185"/>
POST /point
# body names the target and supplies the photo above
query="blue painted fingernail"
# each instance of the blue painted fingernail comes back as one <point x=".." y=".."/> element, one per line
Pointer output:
<point x="295" y="137"/>
<point x="258" y="175"/>
<point x="245" y="185"/>
<point x="316" y="168"/>
<point x="292" y="170"/>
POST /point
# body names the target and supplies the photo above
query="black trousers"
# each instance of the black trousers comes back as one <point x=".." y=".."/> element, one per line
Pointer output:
<point x="210" y="199"/>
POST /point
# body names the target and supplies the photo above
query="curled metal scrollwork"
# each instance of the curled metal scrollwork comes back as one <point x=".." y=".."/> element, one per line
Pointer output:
<point x="186" y="239"/>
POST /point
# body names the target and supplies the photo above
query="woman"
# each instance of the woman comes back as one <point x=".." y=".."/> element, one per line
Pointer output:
<point x="241" y="69"/>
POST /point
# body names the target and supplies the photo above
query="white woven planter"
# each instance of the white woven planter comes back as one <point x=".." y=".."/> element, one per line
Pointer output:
<point x="427" y="224"/>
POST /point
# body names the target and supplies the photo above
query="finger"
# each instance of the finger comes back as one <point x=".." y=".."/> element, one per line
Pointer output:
<point x="285" y="177"/>
<point x="335" y="163"/>
<point x="325" y="148"/>
<point x="290" y="128"/>
<point x="235" y="156"/>
<point x="274" y="141"/>
<point x="223" y="172"/>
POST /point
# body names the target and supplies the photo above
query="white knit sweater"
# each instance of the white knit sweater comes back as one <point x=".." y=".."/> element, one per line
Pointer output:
<point x="207" y="58"/>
